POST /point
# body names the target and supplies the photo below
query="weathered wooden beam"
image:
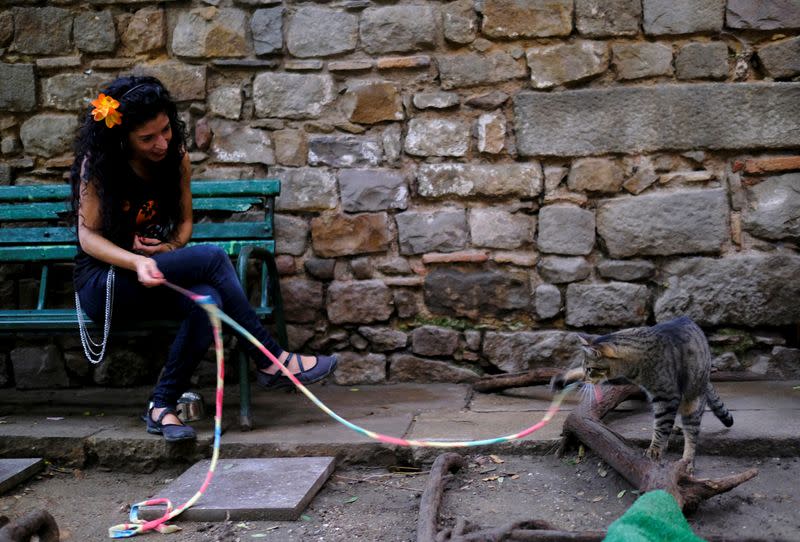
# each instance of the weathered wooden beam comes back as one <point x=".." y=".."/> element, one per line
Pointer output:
<point x="38" y="523"/>
<point x="502" y="382"/>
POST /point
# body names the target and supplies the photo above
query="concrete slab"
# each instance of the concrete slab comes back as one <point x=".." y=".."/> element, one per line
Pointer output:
<point x="754" y="432"/>
<point x="60" y="439"/>
<point x="327" y="430"/>
<point x="356" y="402"/>
<point x="322" y="438"/>
<point x="465" y="425"/>
<point x="68" y="427"/>
<point x="527" y="399"/>
<point x="16" y="471"/>
<point x="248" y="489"/>
<point x="765" y="395"/>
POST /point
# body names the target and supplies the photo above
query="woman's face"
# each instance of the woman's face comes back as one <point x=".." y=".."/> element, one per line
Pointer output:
<point x="149" y="142"/>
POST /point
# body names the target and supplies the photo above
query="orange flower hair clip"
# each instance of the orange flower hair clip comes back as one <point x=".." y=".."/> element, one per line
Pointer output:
<point x="105" y="108"/>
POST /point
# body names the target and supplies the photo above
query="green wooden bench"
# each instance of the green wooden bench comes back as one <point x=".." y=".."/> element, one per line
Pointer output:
<point x="33" y="230"/>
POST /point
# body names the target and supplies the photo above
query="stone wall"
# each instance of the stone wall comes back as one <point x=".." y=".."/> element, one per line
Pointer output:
<point x="464" y="183"/>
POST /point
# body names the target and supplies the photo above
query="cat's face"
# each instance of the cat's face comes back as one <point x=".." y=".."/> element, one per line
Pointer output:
<point x="600" y="361"/>
<point x="596" y="366"/>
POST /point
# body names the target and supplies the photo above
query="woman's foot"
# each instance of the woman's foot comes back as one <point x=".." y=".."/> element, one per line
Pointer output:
<point x="307" y="369"/>
<point x="165" y="421"/>
<point x="308" y="362"/>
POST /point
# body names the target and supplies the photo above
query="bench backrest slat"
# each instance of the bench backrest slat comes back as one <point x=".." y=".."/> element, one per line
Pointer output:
<point x="47" y="210"/>
<point x="66" y="234"/>
<point x="42" y="210"/>
<point x="47" y="204"/>
<point x="65" y="253"/>
<point x="210" y="188"/>
<point x="47" y="192"/>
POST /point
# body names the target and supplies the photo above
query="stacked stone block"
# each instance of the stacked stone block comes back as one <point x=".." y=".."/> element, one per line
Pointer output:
<point x="465" y="184"/>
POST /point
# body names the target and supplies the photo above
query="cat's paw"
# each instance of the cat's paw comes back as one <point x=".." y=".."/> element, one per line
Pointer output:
<point x="653" y="453"/>
<point x="688" y="465"/>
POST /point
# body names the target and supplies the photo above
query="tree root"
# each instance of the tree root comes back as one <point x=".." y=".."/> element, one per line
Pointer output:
<point x="427" y="525"/>
<point x="584" y="424"/>
<point x="502" y="382"/>
<point x="39" y="523"/>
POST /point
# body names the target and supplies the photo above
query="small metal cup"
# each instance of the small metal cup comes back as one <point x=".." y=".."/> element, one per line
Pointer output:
<point x="191" y="407"/>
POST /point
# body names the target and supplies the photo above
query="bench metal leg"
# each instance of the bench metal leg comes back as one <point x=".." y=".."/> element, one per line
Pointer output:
<point x="245" y="418"/>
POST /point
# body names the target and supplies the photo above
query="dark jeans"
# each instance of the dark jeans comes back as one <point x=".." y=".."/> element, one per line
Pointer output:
<point x="203" y="269"/>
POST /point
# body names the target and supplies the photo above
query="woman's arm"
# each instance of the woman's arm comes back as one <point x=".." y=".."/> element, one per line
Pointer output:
<point x="184" y="230"/>
<point x="94" y="244"/>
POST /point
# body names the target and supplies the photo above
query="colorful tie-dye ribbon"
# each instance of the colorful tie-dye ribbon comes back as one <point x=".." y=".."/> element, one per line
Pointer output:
<point x="138" y="526"/>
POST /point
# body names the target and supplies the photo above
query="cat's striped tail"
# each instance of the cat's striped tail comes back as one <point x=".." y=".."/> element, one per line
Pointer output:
<point x="717" y="407"/>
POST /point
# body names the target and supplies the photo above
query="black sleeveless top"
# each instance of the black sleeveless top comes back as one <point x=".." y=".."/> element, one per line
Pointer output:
<point x="140" y="213"/>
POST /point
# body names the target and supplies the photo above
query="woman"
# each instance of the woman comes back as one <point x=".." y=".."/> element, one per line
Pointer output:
<point x="133" y="208"/>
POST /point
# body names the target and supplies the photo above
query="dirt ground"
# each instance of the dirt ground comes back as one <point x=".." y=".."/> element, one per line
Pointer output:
<point x="378" y="505"/>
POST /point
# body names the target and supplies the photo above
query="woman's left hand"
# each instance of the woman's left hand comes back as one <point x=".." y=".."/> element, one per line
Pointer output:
<point x="148" y="246"/>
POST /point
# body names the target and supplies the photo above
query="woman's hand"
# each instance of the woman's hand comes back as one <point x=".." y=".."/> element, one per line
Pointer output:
<point x="147" y="246"/>
<point x="148" y="272"/>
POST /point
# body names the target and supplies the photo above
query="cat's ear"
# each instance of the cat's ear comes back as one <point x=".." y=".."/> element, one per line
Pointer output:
<point x="585" y="344"/>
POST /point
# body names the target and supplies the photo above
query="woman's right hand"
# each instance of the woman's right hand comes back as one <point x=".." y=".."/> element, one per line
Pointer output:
<point x="148" y="272"/>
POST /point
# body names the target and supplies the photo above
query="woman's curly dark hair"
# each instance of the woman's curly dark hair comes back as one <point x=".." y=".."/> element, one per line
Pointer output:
<point x="103" y="154"/>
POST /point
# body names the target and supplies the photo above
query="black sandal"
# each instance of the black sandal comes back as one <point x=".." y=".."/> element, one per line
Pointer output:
<point x="324" y="367"/>
<point x="172" y="432"/>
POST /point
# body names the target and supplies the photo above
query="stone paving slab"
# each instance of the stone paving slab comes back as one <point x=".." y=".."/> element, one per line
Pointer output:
<point x="248" y="489"/>
<point x="527" y="399"/>
<point x="736" y="395"/>
<point x="67" y="427"/>
<point x="466" y="425"/>
<point x="765" y="395"/>
<point x="59" y="440"/>
<point x="321" y="438"/>
<point x="754" y="432"/>
<point x="329" y="431"/>
<point x="356" y="402"/>
<point x="15" y="471"/>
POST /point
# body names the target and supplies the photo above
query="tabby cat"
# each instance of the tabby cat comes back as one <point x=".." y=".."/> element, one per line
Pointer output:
<point x="671" y="361"/>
